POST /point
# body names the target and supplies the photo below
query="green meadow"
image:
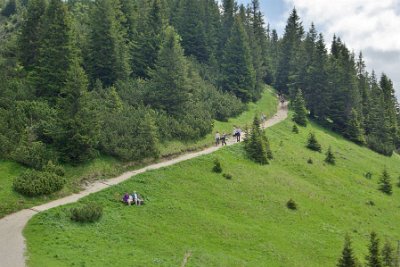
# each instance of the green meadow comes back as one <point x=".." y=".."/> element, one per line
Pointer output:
<point x="106" y="167"/>
<point x="238" y="222"/>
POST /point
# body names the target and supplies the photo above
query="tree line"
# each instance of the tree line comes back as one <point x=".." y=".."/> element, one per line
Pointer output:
<point x="117" y="77"/>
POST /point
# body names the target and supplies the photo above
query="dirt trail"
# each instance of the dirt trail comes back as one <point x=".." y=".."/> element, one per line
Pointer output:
<point x="12" y="242"/>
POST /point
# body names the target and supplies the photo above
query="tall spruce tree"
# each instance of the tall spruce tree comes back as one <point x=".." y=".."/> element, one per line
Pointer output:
<point x="108" y="58"/>
<point x="237" y="70"/>
<point x="150" y="28"/>
<point x="347" y="259"/>
<point x="55" y="51"/>
<point x="170" y="88"/>
<point x="191" y="27"/>
<point x="78" y="130"/>
<point x="385" y="184"/>
<point x="388" y="255"/>
<point x="256" y="144"/>
<point x="286" y="74"/>
<point x="300" y="112"/>
<point x="31" y="31"/>
<point x="374" y="257"/>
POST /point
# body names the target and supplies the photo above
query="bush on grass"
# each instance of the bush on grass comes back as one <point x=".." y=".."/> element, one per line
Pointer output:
<point x="88" y="213"/>
<point x="217" y="166"/>
<point x="36" y="183"/>
<point x="291" y="204"/>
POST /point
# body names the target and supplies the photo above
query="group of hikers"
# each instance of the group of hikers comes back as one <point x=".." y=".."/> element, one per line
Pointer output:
<point x="132" y="198"/>
<point x="222" y="138"/>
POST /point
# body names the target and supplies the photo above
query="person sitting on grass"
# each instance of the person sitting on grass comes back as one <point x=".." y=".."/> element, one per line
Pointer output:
<point x="136" y="198"/>
<point x="128" y="199"/>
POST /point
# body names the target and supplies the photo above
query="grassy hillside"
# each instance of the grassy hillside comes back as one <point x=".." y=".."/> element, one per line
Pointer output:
<point x="238" y="222"/>
<point x="105" y="167"/>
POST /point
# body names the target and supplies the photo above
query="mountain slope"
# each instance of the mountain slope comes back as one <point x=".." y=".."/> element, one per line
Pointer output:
<point x="238" y="222"/>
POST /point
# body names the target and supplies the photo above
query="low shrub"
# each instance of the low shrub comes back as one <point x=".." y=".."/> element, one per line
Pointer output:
<point x="88" y="213"/>
<point x="227" y="176"/>
<point x="330" y="157"/>
<point x="310" y="161"/>
<point x="217" y="166"/>
<point x="36" y="183"/>
<point x="291" y="204"/>
<point x="368" y="175"/>
<point x="295" y="129"/>
<point x="34" y="155"/>
<point x="313" y="144"/>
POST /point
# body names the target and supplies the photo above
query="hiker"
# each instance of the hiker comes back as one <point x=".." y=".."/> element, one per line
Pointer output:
<point x="223" y="139"/>
<point x="238" y="134"/>
<point x="128" y="199"/>
<point x="263" y="119"/>
<point x="282" y="98"/>
<point x="136" y="198"/>
<point x="217" y="138"/>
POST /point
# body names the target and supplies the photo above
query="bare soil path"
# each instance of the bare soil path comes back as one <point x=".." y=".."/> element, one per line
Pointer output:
<point x="12" y="242"/>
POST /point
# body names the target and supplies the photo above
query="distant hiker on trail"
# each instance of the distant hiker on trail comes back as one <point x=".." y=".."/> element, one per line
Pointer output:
<point x="223" y="139"/>
<point x="217" y="138"/>
<point x="263" y="120"/>
<point x="282" y="98"/>
<point x="238" y="134"/>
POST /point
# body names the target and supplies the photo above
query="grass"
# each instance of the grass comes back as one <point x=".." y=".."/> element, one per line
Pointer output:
<point x="106" y="167"/>
<point x="238" y="222"/>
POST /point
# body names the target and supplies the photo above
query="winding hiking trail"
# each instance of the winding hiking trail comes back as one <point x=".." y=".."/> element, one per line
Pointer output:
<point x="12" y="242"/>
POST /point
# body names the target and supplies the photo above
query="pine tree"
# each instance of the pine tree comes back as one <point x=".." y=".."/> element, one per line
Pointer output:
<point x="286" y="74"/>
<point x="385" y="184"/>
<point x="228" y="20"/>
<point x="190" y="26"/>
<point x="238" y="75"/>
<point x="330" y="157"/>
<point x="300" y="112"/>
<point x="170" y="89"/>
<point x="78" y="130"/>
<point x="31" y="31"/>
<point x="374" y="257"/>
<point x="108" y="58"/>
<point x="347" y="259"/>
<point x="354" y="130"/>
<point x="55" y="51"/>
<point x="313" y="144"/>
<point x="388" y="256"/>
<point x="295" y="129"/>
<point x="150" y="28"/>
<point x="255" y="145"/>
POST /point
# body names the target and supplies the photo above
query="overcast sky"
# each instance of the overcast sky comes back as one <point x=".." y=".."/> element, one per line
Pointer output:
<point x="370" y="26"/>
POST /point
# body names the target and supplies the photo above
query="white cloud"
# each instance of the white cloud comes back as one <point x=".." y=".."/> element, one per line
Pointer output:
<point x="371" y="26"/>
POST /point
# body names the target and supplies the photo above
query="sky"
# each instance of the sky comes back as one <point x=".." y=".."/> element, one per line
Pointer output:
<point x="370" y="26"/>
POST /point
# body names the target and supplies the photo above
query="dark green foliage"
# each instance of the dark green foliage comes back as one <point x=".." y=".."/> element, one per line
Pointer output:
<point x="170" y="89"/>
<point x="33" y="154"/>
<point x="368" y="175"/>
<point x="55" y="51"/>
<point x="347" y="258"/>
<point x="310" y="161"/>
<point x="78" y="127"/>
<point x="30" y="36"/>
<point x="238" y="75"/>
<point x="36" y="183"/>
<point x="256" y="144"/>
<point x="287" y="72"/>
<point x="354" y="131"/>
<point x="87" y="213"/>
<point x="330" y="157"/>
<point x="300" y="112"/>
<point x="295" y="129"/>
<point x="227" y="176"/>
<point x="129" y="134"/>
<point x="313" y="144"/>
<point x="217" y="166"/>
<point x="9" y="9"/>
<point x="398" y="183"/>
<point x="388" y="255"/>
<point x="146" y="49"/>
<point x="291" y="204"/>
<point x="385" y="184"/>
<point x="108" y="58"/>
<point x="374" y="257"/>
